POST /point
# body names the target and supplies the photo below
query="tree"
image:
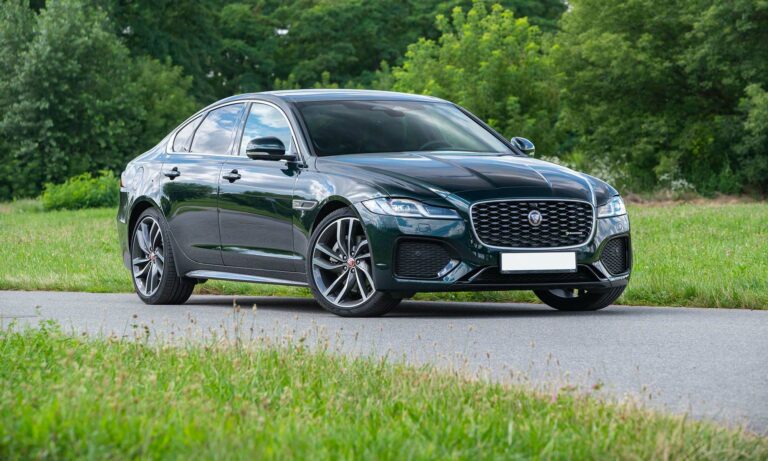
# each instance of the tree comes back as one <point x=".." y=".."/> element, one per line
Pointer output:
<point x="349" y="39"/>
<point x="752" y="148"/>
<point x="249" y="44"/>
<point x="186" y="32"/>
<point x="160" y="92"/>
<point x="16" y="26"/>
<point x="249" y="47"/>
<point x="655" y="88"/>
<point x="76" y="101"/>
<point x="492" y="63"/>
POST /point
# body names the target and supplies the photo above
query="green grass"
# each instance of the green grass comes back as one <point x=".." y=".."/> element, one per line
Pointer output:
<point x="704" y="254"/>
<point x="65" y="397"/>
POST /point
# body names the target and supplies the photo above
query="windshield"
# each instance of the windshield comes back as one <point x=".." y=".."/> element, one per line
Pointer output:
<point x="360" y="127"/>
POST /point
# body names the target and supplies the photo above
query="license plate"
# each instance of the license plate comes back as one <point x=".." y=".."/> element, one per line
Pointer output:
<point x="538" y="262"/>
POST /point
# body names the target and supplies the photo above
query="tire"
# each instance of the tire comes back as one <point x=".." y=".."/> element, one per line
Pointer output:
<point x="153" y="268"/>
<point x="582" y="301"/>
<point x="340" y="284"/>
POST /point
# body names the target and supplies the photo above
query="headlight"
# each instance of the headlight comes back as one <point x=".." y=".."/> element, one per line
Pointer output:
<point x="408" y="208"/>
<point x="614" y="207"/>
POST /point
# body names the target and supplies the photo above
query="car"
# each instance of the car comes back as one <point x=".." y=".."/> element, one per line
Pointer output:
<point x="367" y="198"/>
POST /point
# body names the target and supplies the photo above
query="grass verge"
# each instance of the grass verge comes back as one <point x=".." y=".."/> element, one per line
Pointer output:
<point x="66" y="397"/>
<point x="704" y="254"/>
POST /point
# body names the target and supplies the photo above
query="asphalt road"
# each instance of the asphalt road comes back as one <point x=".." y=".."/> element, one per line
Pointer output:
<point x="710" y="363"/>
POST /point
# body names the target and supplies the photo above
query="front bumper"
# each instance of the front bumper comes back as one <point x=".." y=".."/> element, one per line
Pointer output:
<point x="476" y="266"/>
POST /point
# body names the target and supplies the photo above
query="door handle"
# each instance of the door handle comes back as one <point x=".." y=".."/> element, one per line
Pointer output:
<point x="232" y="176"/>
<point x="173" y="173"/>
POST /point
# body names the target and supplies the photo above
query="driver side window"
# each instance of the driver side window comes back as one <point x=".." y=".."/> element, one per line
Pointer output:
<point x="266" y="121"/>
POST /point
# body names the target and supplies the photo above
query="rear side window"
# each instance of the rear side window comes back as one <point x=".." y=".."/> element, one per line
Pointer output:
<point x="184" y="136"/>
<point x="216" y="133"/>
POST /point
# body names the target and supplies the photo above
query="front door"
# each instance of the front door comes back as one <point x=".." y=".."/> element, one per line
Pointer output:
<point x="191" y="175"/>
<point x="255" y="198"/>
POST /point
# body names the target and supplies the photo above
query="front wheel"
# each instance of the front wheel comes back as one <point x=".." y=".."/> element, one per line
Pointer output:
<point x="340" y="268"/>
<point x="579" y="300"/>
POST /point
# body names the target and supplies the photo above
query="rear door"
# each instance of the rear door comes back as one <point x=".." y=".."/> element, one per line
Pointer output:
<point x="255" y="213"/>
<point x="191" y="175"/>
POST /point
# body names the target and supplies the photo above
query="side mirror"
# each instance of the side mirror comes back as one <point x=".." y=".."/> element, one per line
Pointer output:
<point x="268" y="148"/>
<point x="524" y="145"/>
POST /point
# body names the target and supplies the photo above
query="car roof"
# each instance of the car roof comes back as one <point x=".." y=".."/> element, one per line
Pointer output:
<point x="337" y="95"/>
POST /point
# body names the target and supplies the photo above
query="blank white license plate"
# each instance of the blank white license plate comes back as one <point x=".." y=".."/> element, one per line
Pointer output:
<point x="538" y="262"/>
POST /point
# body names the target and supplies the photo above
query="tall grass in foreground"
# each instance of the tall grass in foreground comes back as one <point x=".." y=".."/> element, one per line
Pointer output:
<point x="66" y="397"/>
<point x="704" y="254"/>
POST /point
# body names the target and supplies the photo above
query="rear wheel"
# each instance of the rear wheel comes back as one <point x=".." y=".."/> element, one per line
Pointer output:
<point x="340" y="268"/>
<point x="579" y="300"/>
<point x="152" y="264"/>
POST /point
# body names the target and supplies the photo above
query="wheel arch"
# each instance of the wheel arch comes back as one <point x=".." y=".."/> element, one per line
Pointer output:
<point x="139" y="207"/>
<point x="328" y="207"/>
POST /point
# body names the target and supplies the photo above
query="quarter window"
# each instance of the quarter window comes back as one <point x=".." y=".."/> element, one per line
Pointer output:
<point x="184" y="136"/>
<point x="215" y="134"/>
<point x="265" y="121"/>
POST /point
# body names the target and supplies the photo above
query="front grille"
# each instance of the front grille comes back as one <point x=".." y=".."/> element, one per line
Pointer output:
<point x="420" y="259"/>
<point x="493" y="276"/>
<point x="505" y="223"/>
<point x="615" y="256"/>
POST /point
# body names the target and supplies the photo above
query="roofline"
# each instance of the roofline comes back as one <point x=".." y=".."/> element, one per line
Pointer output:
<point x="330" y="95"/>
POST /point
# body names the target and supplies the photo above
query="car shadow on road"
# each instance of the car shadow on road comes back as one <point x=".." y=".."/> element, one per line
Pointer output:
<point x="408" y="309"/>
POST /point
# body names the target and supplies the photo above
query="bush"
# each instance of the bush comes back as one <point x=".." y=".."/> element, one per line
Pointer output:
<point x="82" y="191"/>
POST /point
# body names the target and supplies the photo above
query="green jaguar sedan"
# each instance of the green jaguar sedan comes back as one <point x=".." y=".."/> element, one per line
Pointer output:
<point x="366" y="197"/>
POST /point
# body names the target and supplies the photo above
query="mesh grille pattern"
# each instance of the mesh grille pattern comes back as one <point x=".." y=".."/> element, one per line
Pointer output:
<point x="614" y="256"/>
<point x="420" y="259"/>
<point x="505" y="224"/>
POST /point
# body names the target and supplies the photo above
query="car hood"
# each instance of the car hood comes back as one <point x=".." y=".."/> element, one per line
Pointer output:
<point x="471" y="177"/>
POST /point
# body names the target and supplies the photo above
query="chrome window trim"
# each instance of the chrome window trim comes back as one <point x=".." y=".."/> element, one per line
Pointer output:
<point x="287" y="120"/>
<point x="169" y="145"/>
<point x="534" y="199"/>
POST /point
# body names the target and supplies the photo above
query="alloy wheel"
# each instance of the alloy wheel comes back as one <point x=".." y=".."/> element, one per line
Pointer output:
<point x="341" y="263"/>
<point x="148" y="256"/>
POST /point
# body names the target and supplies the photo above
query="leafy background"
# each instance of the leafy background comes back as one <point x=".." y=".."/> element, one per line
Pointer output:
<point x="652" y="95"/>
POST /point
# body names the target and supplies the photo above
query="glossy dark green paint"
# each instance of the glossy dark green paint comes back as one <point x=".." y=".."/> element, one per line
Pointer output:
<point x="249" y="227"/>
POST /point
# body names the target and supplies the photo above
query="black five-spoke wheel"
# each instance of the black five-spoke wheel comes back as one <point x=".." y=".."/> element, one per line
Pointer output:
<point x="341" y="268"/>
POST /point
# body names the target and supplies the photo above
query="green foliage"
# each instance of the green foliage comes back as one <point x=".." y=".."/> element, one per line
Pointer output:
<point x="160" y="93"/>
<point x="233" y="47"/>
<point x="185" y="32"/>
<point x="492" y="63"/>
<point x="655" y="88"/>
<point x="649" y="94"/>
<point x="82" y="191"/>
<point x="753" y="147"/>
<point x="75" y="100"/>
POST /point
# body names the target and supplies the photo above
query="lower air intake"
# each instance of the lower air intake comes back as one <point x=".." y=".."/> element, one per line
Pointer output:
<point x="418" y="259"/>
<point x="615" y="256"/>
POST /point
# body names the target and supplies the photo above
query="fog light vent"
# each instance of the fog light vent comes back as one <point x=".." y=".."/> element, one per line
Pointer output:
<point x="615" y="255"/>
<point x="419" y="259"/>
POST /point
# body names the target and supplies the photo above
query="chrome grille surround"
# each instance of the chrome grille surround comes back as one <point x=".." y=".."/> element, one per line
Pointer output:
<point x="592" y="222"/>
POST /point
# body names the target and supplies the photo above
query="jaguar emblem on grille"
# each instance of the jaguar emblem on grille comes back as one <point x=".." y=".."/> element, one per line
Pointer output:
<point x="534" y="217"/>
